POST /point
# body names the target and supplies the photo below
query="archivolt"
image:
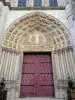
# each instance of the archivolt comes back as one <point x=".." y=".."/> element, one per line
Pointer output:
<point x="37" y="32"/>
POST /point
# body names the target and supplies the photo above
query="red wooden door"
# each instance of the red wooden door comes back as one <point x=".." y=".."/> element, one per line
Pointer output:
<point x="37" y="76"/>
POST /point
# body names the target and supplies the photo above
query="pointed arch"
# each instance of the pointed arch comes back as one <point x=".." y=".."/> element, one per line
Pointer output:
<point x="25" y="33"/>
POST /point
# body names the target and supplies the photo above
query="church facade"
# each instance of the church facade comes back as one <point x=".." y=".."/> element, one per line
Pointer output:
<point x="37" y="48"/>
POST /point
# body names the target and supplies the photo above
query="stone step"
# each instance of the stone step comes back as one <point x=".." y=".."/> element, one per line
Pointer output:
<point x="37" y="99"/>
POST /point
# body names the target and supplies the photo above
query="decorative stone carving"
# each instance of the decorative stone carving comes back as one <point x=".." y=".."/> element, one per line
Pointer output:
<point x="37" y="32"/>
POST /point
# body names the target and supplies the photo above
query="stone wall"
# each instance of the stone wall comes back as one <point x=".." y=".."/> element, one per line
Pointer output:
<point x="10" y="69"/>
<point x="63" y="67"/>
<point x="3" y="18"/>
<point x="70" y="12"/>
<point x="63" y="60"/>
<point x="30" y="3"/>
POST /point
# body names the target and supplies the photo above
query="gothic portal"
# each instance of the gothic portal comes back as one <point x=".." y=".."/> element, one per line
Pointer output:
<point x="40" y="74"/>
<point x="37" y="48"/>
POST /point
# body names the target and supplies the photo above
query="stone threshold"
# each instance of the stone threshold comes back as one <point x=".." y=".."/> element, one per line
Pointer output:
<point x="37" y="98"/>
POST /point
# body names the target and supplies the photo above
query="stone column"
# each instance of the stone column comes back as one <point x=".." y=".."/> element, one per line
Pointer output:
<point x="63" y="65"/>
<point x="10" y="69"/>
<point x="1" y="64"/>
<point x="19" y="74"/>
<point x="61" y="2"/>
<point x="29" y="3"/>
<point x="45" y="3"/>
<point x="14" y="3"/>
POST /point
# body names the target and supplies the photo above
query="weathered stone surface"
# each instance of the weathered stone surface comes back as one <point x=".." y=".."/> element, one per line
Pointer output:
<point x="37" y="32"/>
<point x="38" y="99"/>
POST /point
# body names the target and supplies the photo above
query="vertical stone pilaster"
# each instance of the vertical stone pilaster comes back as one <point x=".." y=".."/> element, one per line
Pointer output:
<point x="64" y="62"/>
<point x="72" y="63"/>
<point x="14" y="3"/>
<point x="61" y="2"/>
<point x="63" y="65"/>
<point x="45" y="3"/>
<point x="6" y="67"/>
<point x="58" y="66"/>
<point x="29" y="3"/>
<point x="1" y="64"/>
<point x="20" y="72"/>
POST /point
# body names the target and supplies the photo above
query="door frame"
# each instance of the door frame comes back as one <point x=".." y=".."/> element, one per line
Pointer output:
<point x="35" y="52"/>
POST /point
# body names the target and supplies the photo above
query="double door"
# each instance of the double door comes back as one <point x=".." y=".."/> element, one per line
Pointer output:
<point x="37" y="76"/>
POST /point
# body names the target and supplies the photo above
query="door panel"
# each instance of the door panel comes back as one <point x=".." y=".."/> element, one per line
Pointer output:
<point x="28" y="91"/>
<point x="46" y="91"/>
<point x="28" y="79"/>
<point x="45" y="68"/>
<point x="37" y="76"/>
<point x="46" y="79"/>
<point x="28" y="68"/>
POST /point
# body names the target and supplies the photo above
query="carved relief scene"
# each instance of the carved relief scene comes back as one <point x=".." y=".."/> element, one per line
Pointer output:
<point x="37" y="32"/>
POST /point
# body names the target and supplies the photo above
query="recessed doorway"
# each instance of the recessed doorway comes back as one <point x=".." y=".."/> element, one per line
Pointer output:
<point x="37" y="76"/>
